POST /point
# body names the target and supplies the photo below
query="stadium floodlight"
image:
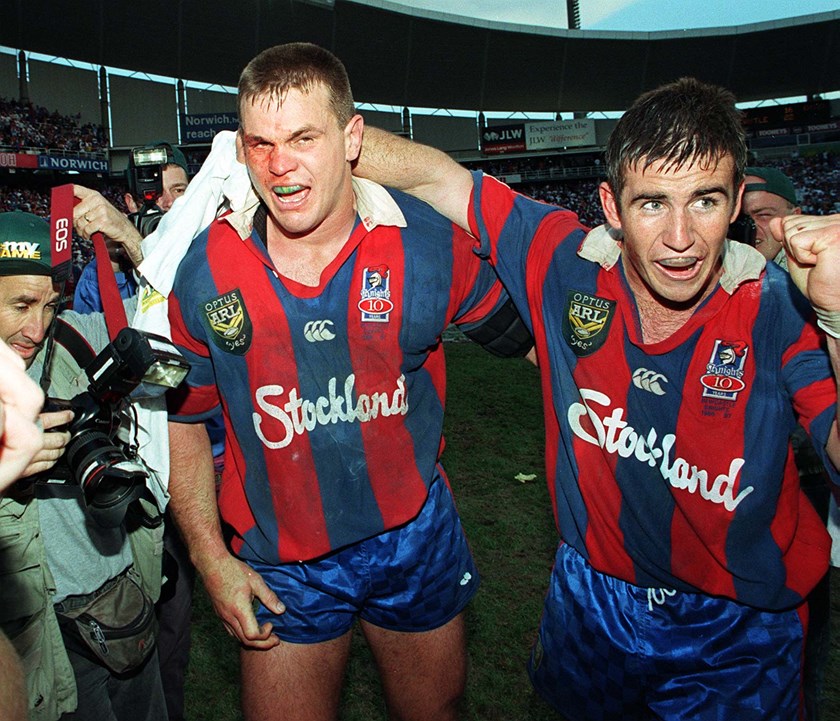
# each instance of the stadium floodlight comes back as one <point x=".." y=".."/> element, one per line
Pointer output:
<point x="573" y="14"/>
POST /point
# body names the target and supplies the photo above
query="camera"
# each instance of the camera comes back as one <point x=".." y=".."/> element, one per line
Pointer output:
<point x="145" y="182"/>
<point x="101" y="458"/>
<point x="742" y="229"/>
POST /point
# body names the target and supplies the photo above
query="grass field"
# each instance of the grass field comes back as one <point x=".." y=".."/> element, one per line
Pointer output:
<point x="494" y="433"/>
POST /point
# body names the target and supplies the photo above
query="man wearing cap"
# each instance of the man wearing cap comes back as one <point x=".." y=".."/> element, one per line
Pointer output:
<point x="768" y="194"/>
<point x="54" y="556"/>
<point x="122" y="237"/>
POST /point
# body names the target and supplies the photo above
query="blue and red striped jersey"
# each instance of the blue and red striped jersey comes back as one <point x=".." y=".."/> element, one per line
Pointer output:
<point x="669" y="464"/>
<point x="333" y="396"/>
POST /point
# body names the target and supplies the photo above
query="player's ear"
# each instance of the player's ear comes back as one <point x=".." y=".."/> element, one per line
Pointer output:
<point x="353" y="132"/>
<point x="739" y="199"/>
<point x="610" y="205"/>
<point x="240" y="147"/>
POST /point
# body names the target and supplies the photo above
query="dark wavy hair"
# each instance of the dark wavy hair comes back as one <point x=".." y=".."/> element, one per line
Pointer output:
<point x="682" y="122"/>
<point x="301" y="66"/>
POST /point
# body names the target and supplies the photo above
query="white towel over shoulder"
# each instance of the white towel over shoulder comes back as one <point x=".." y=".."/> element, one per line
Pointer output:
<point x="221" y="183"/>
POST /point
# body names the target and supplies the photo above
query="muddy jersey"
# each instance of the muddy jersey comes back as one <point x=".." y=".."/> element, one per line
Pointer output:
<point x="669" y="463"/>
<point x="333" y="396"/>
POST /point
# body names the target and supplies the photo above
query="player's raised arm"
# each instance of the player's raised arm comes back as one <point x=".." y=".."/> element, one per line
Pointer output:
<point x="420" y="170"/>
<point x="813" y="248"/>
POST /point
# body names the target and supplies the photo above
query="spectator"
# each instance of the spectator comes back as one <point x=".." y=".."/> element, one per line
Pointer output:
<point x="58" y="558"/>
<point x="24" y="125"/>
<point x="124" y="242"/>
<point x="768" y="194"/>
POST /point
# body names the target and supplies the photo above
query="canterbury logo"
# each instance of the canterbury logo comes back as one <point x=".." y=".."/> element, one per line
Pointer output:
<point x="649" y="381"/>
<point x="316" y="330"/>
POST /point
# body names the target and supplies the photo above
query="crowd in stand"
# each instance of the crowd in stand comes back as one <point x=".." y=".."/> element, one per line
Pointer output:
<point x="817" y="180"/>
<point x="501" y="167"/>
<point x="29" y="201"/>
<point x="38" y="202"/>
<point x="817" y="177"/>
<point x="25" y="125"/>
<point x="578" y="195"/>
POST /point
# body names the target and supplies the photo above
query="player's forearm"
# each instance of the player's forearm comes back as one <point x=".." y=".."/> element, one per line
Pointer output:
<point x="193" y="494"/>
<point x="420" y="170"/>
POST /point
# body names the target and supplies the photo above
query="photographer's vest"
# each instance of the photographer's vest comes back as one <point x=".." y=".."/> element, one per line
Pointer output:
<point x="27" y="585"/>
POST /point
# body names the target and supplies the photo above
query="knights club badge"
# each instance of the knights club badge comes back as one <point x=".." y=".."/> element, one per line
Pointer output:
<point x="227" y="320"/>
<point x="586" y="322"/>
<point x="724" y="376"/>
<point x="375" y="303"/>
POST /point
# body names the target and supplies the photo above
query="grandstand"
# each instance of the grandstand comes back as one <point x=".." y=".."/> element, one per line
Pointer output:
<point x="41" y="147"/>
<point x="78" y="119"/>
<point x="62" y="123"/>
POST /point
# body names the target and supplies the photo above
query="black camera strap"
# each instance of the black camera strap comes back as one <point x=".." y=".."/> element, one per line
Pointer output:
<point x="44" y="381"/>
<point x="75" y="343"/>
<point x="65" y="335"/>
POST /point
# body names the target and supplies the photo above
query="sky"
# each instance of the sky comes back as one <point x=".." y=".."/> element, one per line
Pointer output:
<point x="630" y="15"/>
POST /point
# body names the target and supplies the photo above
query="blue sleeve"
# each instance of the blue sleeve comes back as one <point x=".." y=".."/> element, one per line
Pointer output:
<point x="86" y="298"/>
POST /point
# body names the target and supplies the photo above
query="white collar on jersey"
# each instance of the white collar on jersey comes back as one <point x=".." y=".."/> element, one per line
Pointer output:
<point x="740" y="262"/>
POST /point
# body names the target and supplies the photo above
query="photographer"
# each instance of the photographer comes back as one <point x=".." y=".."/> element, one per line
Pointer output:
<point x="157" y="176"/>
<point x="146" y="202"/>
<point x="64" y="559"/>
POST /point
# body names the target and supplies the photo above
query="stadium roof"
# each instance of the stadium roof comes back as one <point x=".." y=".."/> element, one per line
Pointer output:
<point x="420" y="58"/>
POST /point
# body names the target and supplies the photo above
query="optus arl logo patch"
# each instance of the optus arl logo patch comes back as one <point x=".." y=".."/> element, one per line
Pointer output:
<point x="586" y="321"/>
<point x="375" y="303"/>
<point x="228" y="323"/>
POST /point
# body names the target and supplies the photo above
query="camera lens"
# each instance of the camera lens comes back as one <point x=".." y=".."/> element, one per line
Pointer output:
<point x="109" y="479"/>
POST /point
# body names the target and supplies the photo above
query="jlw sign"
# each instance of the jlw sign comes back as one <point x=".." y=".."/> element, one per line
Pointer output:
<point x="497" y="139"/>
<point x="529" y="136"/>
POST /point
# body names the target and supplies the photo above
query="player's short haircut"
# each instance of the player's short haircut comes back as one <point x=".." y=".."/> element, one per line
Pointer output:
<point x="676" y="124"/>
<point x="299" y="66"/>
